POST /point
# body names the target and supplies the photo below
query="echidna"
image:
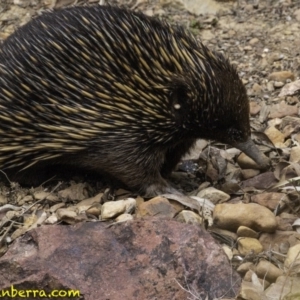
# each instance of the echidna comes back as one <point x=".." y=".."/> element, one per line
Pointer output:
<point x="114" y="91"/>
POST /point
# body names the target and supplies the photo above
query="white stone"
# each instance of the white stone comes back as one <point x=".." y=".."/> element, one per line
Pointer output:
<point x="112" y="209"/>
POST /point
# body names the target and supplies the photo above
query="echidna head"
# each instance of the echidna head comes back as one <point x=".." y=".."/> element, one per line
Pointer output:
<point x="222" y="111"/>
<point x="234" y="112"/>
<point x="235" y="107"/>
<point x="223" y="107"/>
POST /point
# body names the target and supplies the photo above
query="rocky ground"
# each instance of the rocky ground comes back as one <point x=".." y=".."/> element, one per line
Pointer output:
<point x="254" y="215"/>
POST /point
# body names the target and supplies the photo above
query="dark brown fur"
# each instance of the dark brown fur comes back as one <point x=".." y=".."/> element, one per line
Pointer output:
<point x="110" y="90"/>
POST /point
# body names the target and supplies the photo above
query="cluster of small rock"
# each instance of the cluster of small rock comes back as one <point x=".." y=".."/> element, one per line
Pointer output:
<point x="263" y="254"/>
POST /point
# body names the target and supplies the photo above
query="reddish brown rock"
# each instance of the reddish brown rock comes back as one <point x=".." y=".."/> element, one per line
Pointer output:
<point x="158" y="206"/>
<point x="282" y="109"/>
<point x="143" y="259"/>
<point x="273" y="241"/>
<point x="261" y="182"/>
<point x="270" y="200"/>
<point x="285" y="221"/>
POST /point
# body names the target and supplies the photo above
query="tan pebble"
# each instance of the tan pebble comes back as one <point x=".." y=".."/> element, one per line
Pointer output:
<point x="244" y="231"/>
<point x="69" y="216"/>
<point x="189" y="217"/>
<point x="213" y="195"/>
<point x="275" y="135"/>
<point x="28" y="220"/>
<point x="264" y="62"/>
<point x="286" y="287"/>
<point x="130" y="205"/>
<point x="45" y="195"/>
<point x="296" y="13"/>
<point x="112" y="209"/>
<point x="12" y="214"/>
<point x="90" y="201"/>
<point x="94" y="210"/>
<point x="267" y="270"/>
<point x="41" y="219"/>
<point x="177" y="206"/>
<point x="254" y="108"/>
<point x="275" y="57"/>
<point x="262" y="282"/>
<point x="253" y="41"/>
<point x="293" y="258"/>
<point x="64" y="212"/>
<point x="248" y="275"/>
<point x="295" y="154"/>
<point x="278" y="84"/>
<point x="75" y="192"/>
<point x="248" y="246"/>
<point x="139" y="200"/>
<point x="281" y="76"/>
<point x="124" y="218"/>
<point x="247" y="48"/>
<point x="4" y="35"/>
<point x="55" y="207"/>
<point x="297" y="137"/>
<point x="231" y="32"/>
<point x="270" y="86"/>
<point x="245" y="267"/>
<point x="235" y="252"/>
<point x="252" y="215"/>
<point x="26" y="199"/>
<point x="228" y="251"/>
<point x="290" y="89"/>
<point x="3" y="200"/>
<point x="256" y="89"/>
<point x="249" y="173"/>
<point x="51" y="220"/>
<point x="249" y="290"/>
<point x="245" y="162"/>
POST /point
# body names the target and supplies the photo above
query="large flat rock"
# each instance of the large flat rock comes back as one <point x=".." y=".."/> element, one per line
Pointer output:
<point x="142" y="259"/>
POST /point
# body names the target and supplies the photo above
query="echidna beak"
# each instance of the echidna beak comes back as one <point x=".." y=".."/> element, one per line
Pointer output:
<point x="250" y="149"/>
